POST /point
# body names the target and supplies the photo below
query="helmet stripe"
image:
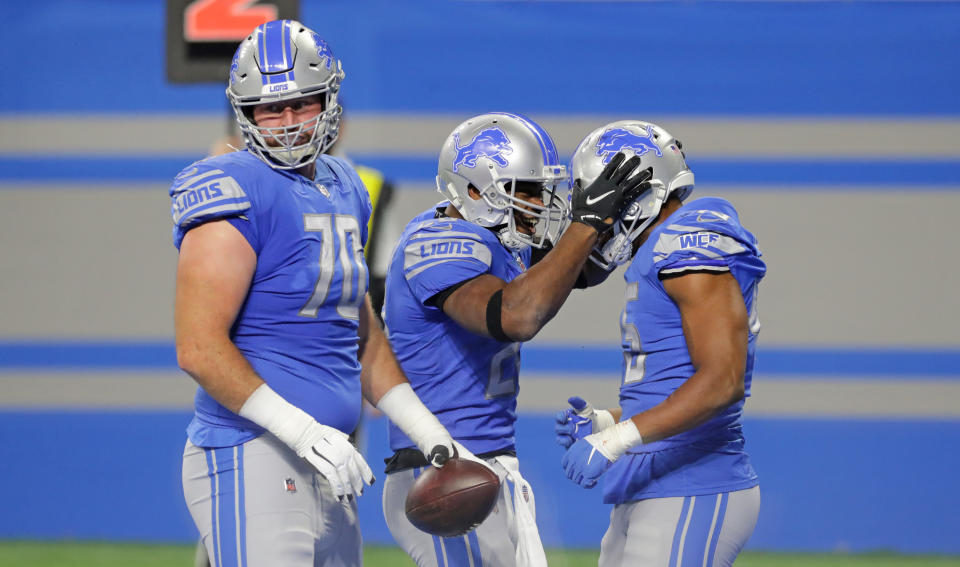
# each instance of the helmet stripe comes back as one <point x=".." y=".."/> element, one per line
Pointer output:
<point x="287" y="42"/>
<point x="547" y="148"/>
<point x="276" y="52"/>
<point x="261" y="51"/>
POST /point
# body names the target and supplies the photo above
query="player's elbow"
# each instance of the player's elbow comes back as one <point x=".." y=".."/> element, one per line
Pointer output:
<point x="730" y="391"/>
<point x="523" y="328"/>
<point x="190" y="357"/>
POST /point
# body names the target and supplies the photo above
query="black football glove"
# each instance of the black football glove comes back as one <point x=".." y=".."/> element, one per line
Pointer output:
<point x="602" y="201"/>
<point x="440" y="454"/>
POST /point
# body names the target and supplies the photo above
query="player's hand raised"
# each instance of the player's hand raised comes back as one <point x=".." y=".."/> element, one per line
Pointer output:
<point x="600" y="204"/>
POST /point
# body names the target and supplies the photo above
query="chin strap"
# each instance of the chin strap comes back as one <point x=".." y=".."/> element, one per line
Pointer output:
<point x="508" y="239"/>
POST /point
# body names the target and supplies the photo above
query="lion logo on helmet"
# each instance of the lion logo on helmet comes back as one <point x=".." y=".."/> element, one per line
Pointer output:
<point x="491" y="143"/>
<point x="618" y="139"/>
<point x="323" y="50"/>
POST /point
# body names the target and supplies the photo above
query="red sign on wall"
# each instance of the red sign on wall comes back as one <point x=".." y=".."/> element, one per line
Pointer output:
<point x="202" y="35"/>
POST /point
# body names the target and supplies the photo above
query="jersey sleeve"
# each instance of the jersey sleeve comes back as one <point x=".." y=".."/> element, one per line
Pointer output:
<point x="437" y="258"/>
<point x="202" y="192"/>
<point x="702" y="241"/>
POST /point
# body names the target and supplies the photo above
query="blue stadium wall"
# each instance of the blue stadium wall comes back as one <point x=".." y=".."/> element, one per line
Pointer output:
<point x="833" y="126"/>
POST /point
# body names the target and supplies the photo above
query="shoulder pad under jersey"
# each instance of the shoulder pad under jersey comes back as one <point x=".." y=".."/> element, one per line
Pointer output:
<point x="700" y="236"/>
<point x="206" y="190"/>
<point x="439" y="241"/>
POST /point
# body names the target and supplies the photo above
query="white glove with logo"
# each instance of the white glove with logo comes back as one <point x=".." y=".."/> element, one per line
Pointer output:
<point x="328" y="449"/>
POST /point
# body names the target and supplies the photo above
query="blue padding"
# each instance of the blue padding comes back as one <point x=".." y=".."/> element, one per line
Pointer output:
<point x="771" y="362"/>
<point x="85" y="169"/>
<point x="732" y="58"/>
<point x="85" y="475"/>
<point x="590" y="360"/>
<point x="84" y="354"/>
<point x="856" y="485"/>
<point x="875" y="362"/>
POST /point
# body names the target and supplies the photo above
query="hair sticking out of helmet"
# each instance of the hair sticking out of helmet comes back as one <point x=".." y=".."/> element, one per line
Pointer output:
<point x="657" y="150"/>
<point x="280" y="61"/>
<point x="502" y="171"/>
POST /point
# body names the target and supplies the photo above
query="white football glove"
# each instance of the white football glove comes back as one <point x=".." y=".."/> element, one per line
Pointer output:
<point x="328" y="449"/>
<point x="330" y="452"/>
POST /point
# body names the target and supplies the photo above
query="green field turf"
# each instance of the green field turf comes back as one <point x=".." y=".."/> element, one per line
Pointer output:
<point x="84" y="554"/>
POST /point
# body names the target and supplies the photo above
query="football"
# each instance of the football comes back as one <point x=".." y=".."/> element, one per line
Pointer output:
<point x="454" y="499"/>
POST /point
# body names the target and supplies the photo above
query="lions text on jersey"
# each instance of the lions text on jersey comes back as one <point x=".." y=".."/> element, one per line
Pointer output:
<point x="469" y="381"/>
<point x="703" y="235"/>
<point x="298" y="325"/>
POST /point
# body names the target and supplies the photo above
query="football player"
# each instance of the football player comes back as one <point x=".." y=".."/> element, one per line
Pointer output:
<point x="464" y="290"/>
<point x="273" y="321"/>
<point x="672" y="453"/>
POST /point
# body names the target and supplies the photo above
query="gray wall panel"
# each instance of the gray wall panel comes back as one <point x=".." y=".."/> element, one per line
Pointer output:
<point x="390" y="134"/>
<point x="85" y="262"/>
<point x="846" y="267"/>
<point x="804" y="397"/>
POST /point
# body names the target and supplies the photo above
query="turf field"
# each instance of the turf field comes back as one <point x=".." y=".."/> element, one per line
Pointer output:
<point x="84" y="554"/>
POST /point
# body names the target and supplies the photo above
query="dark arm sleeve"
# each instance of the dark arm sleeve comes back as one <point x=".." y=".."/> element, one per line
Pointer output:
<point x="437" y="299"/>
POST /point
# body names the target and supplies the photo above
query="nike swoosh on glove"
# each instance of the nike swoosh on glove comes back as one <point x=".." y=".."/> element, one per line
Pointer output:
<point x="591" y="456"/>
<point x="600" y="204"/>
<point x="330" y="452"/>
<point x="584" y="462"/>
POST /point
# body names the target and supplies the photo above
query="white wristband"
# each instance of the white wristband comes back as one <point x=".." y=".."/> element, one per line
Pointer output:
<point x="407" y="412"/>
<point x="602" y="419"/>
<point x="287" y="422"/>
<point x="614" y="441"/>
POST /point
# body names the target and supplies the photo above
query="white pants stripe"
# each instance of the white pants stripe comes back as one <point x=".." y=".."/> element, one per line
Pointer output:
<point x="259" y="505"/>
<point x="225" y="469"/>
<point x="693" y="531"/>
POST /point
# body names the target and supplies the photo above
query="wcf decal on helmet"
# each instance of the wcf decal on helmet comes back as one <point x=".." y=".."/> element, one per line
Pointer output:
<point x="619" y="139"/>
<point x="491" y="143"/>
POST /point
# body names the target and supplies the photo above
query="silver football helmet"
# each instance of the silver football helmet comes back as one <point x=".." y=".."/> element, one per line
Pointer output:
<point x="283" y="60"/>
<point x="658" y="150"/>
<point x="490" y="154"/>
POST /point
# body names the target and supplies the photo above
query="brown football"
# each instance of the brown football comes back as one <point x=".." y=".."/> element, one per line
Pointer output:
<point x="453" y="499"/>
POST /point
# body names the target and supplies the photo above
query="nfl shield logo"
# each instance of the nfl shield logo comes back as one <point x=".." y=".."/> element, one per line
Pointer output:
<point x="290" y="485"/>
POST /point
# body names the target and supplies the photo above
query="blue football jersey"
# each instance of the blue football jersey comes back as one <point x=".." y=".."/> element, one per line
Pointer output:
<point x="298" y="324"/>
<point x="468" y="381"/>
<point x="704" y="235"/>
